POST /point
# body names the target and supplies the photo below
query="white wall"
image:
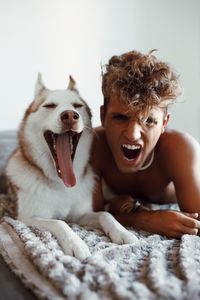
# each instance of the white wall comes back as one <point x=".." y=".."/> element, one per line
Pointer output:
<point x="62" y="37"/>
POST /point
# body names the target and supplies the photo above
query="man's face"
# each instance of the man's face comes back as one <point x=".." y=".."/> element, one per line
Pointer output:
<point x="130" y="136"/>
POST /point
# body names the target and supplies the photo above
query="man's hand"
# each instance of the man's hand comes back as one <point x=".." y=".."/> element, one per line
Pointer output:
<point x="122" y="204"/>
<point x="170" y="223"/>
<point x="174" y="224"/>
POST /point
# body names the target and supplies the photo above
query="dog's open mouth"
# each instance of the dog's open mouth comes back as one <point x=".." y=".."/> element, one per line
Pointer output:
<point x="63" y="148"/>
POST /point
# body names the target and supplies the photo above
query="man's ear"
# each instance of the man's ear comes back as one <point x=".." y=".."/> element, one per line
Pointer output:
<point x="102" y="115"/>
<point x="165" y="121"/>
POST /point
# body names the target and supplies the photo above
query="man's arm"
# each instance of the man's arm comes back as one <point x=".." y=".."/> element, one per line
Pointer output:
<point x="182" y="166"/>
<point x="170" y="223"/>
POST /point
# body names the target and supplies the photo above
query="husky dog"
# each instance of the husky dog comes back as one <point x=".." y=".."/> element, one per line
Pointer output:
<point x="49" y="173"/>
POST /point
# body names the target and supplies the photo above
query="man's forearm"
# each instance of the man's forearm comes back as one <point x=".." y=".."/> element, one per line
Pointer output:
<point x="170" y="223"/>
<point x="140" y="220"/>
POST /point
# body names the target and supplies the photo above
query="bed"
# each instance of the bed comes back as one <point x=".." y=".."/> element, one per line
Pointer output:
<point x="153" y="268"/>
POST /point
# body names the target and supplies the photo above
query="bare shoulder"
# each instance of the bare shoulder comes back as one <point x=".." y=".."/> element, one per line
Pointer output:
<point x="99" y="137"/>
<point x="177" y="148"/>
<point x="174" y="140"/>
<point x="99" y="148"/>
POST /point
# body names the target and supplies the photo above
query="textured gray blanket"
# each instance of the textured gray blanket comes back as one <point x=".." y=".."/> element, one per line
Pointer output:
<point x="154" y="268"/>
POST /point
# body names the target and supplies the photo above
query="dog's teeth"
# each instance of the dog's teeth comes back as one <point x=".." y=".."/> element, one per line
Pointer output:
<point x="54" y="143"/>
<point x="71" y="144"/>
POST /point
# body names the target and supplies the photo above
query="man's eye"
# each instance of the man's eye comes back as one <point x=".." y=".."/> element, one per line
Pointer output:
<point x="120" y="117"/>
<point x="150" y="121"/>
<point x="49" y="105"/>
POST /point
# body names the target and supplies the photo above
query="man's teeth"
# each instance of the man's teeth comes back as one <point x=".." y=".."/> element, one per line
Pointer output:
<point x="131" y="147"/>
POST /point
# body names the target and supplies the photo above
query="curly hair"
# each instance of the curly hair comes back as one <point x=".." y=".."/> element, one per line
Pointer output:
<point x="140" y="80"/>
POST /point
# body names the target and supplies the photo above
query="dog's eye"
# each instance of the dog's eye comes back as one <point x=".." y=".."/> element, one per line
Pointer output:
<point x="77" y="105"/>
<point x="50" y="105"/>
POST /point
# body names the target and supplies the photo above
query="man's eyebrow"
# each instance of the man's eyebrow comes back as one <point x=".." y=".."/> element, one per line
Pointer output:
<point x="152" y="115"/>
<point x="122" y="112"/>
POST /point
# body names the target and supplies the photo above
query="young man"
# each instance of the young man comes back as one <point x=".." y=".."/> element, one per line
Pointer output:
<point x="135" y="153"/>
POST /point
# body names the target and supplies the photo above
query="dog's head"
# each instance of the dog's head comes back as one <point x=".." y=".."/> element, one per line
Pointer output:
<point x="53" y="125"/>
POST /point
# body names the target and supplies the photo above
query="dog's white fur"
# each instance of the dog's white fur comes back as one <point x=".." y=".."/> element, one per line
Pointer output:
<point x="43" y="199"/>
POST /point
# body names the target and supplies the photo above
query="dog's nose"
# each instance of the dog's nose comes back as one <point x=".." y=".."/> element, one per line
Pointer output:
<point x="69" y="117"/>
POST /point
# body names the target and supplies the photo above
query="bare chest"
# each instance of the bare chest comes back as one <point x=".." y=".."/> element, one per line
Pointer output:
<point x="149" y="185"/>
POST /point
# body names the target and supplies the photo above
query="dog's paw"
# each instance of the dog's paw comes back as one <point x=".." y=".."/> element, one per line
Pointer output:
<point x="77" y="248"/>
<point x="122" y="236"/>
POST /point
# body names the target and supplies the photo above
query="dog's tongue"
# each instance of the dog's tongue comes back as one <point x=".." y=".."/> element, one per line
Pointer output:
<point x="63" y="151"/>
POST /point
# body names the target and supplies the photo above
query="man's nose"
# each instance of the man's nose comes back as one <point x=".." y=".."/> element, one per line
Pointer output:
<point x="133" y="131"/>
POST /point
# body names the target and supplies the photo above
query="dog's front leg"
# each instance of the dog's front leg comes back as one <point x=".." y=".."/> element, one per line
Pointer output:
<point x="105" y="221"/>
<point x="70" y="242"/>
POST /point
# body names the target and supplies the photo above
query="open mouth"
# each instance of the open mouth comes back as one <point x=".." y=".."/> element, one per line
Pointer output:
<point x="63" y="148"/>
<point x="131" y="152"/>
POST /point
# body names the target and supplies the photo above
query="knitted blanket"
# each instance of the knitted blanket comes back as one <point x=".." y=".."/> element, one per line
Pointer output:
<point x="154" y="268"/>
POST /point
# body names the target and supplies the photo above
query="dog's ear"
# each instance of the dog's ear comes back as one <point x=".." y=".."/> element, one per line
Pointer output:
<point x="72" y="84"/>
<point x="39" y="86"/>
<point x="39" y="90"/>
